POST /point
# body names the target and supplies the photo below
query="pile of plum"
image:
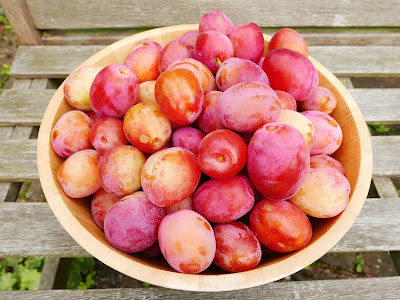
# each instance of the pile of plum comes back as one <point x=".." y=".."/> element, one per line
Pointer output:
<point x="204" y="151"/>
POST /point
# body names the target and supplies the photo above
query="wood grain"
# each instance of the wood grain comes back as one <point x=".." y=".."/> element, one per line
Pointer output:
<point x="344" y="289"/>
<point x="51" y="14"/>
<point x="19" y="15"/>
<point x="18" y="160"/>
<point x="23" y="107"/>
<point x="385" y="156"/>
<point x="313" y="37"/>
<point x="60" y="61"/>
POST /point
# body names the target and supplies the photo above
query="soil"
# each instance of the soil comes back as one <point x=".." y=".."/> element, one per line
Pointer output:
<point x="330" y="266"/>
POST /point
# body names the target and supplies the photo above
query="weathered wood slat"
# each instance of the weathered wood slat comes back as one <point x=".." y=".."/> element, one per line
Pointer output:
<point x="39" y="233"/>
<point x="49" y="61"/>
<point x="51" y="14"/>
<point x="346" y="289"/>
<point x="22" y="167"/>
<point x="18" y="160"/>
<point x="23" y="107"/>
<point x="377" y="105"/>
<point x="386" y="158"/>
<point x="60" y="61"/>
<point x="321" y="37"/>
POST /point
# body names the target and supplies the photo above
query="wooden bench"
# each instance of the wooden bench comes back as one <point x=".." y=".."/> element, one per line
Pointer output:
<point x="353" y="39"/>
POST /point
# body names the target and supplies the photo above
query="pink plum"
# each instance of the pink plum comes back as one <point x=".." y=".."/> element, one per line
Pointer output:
<point x="114" y="90"/>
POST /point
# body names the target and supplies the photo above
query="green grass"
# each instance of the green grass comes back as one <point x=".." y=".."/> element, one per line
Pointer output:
<point x="81" y="273"/>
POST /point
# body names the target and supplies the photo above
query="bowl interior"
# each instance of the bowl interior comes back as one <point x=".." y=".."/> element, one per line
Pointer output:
<point x="74" y="214"/>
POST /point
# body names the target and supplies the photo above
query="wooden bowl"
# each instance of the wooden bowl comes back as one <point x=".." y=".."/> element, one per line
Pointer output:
<point x="74" y="214"/>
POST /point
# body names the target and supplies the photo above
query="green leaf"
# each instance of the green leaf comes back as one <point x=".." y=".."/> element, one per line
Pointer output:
<point x="359" y="268"/>
<point x="81" y="286"/>
<point x="307" y="268"/>
<point x="89" y="279"/>
<point x="145" y="284"/>
<point x="34" y="262"/>
<point x="13" y="262"/>
<point x="29" y="278"/>
<point x="7" y="281"/>
<point x="80" y="267"/>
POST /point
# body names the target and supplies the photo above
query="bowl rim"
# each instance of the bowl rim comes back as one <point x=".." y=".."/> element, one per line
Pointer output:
<point x="200" y="282"/>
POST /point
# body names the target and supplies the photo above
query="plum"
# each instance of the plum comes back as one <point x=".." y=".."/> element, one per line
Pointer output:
<point x="328" y="135"/>
<point x="107" y="133"/>
<point x="280" y="225"/>
<point x="114" y="90"/>
<point x="238" y="249"/>
<point x="278" y="161"/>
<point x="188" y="138"/>
<point x="147" y="42"/>
<point x="187" y="241"/>
<point x="144" y="62"/>
<point x="173" y="50"/>
<point x="235" y="70"/>
<point x="300" y="122"/>
<point x="146" y="127"/>
<point x="189" y="40"/>
<point x="247" y="41"/>
<point x="179" y="95"/>
<point x="131" y="225"/>
<point x="248" y="105"/>
<point x="208" y="119"/>
<point x="71" y="133"/>
<point x="203" y="74"/>
<point x="287" y="100"/>
<point x="224" y="200"/>
<point x="321" y="99"/>
<point x="101" y="203"/>
<point x="222" y="154"/>
<point x="78" y="175"/>
<point x="169" y="176"/>
<point x="147" y="91"/>
<point x="184" y="204"/>
<point x="291" y="72"/>
<point x="77" y="87"/>
<point x="212" y="48"/>
<point x="289" y="39"/>
<point x="216" y="21"/>
<point x="326" y="161"/>
<point x="120" y="169"/>
<point x="324" y="193"/>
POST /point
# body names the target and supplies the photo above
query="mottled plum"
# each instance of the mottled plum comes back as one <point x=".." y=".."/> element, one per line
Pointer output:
<point x="238" y="249"/>
<point x="120" y="169"/>
<point x="187" y="241"/>
<point x="224" y="200"/>
<point x="131" y="224"/>
<point x="278" y="160"/>
<point x="324" y="193"/>
<point x="146" y="127"/>
<point x="235" y="70"/>
<point x="71" y="133"/>
<point x="78" y="175"/>
<point x="170" y="175"/>
<point x="248" y="105"/>
<point x="114" y="90"/>
<point x="280" y="225"/>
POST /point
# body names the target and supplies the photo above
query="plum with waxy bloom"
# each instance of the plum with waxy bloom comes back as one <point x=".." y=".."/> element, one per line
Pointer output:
<point x="278" y="161"/>
<point x="187" y="241"/>
<point x="114" y="90"/>
<point x="132" y="223"/>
